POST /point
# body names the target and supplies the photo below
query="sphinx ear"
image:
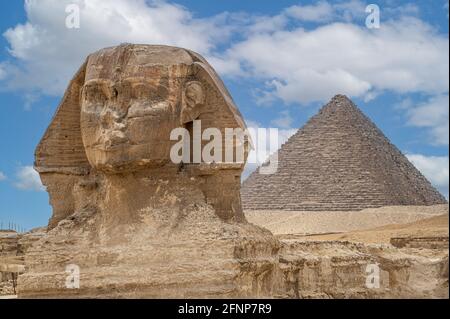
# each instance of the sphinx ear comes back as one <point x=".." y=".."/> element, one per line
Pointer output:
<point x="193" y="101"/>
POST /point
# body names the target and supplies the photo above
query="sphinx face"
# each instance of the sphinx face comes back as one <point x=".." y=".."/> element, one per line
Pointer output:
<point x="127" y="114"/>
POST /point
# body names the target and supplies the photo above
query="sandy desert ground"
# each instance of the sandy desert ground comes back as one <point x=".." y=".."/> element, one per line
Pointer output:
<point x="375" y="225"/>
<point x="431" y="227"/>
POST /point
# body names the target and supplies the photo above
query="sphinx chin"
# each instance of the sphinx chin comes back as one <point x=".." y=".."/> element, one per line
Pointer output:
<point x="124" y="158"/>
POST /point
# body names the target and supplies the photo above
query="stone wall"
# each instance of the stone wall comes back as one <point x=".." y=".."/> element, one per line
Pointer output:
<point x="420" y="242"/>
<point x="276" y="269"/>
<point x="13" y="247"/>
<point x="342" y="270"/>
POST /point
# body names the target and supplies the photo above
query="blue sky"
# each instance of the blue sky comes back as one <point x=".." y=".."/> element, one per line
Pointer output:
<point x="281" y="61"/>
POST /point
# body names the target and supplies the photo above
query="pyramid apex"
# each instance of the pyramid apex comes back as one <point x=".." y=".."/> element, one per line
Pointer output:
<point x="340" y="98"/>
<point x="341" y="104"/>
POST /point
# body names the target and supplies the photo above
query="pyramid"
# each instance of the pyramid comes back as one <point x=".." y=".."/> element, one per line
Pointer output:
<point x="339" y="161"/>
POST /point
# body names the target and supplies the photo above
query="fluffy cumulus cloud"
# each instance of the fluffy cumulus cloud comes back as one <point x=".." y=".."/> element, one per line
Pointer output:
<point x="324" y="11"/>
<point x="435" y="168"/>
<point x="302" y="65"/>
<point x="321" y="11"/>
<point x="338" y="55"/>
<point x="2" y="176"/>
<point x="28" y="179"/>
<point x="49" y="52"/>
<point x="284" y="120"/>
<point x="302" y="54"/>
<point x="432" y="114"/>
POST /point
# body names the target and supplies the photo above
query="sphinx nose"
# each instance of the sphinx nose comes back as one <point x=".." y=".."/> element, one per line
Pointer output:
<point x="110" y="119"/>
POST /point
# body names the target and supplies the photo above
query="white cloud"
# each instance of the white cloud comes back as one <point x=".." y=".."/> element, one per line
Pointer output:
<point x="410" y="9"/>
<point x="49" y="53"/>
<point x="2" y="71"/>
<point x="433" y="114"/>
<point x="324" y="11"/>
<point x="321" y="11"/>
<point x="303" y="66"/>
<point x="262" y="24"/>
<point x="297" y="65"/>
<point x="28" y="179"/>
<point x="434" y="168"/>
<point x="404" y="104"/>
<point x="2" y="176"/>
<point x="283" y="121"/>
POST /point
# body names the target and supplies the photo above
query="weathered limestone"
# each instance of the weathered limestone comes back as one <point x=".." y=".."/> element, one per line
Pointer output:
<point x="117" y="116"/>
<point x="135" y="223"/>
<point x="438" y="242"/>
<point x="13" y="247"/>
<point x="320" y="269"/>
<point x="339" y="161"/>
<point x="8" y="253"/>
<point x="311" y="269"/>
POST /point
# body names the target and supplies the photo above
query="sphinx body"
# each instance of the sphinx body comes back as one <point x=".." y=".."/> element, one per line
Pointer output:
<point x="132" y="221"/>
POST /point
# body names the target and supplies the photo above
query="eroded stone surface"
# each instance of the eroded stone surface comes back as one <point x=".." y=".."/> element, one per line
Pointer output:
<point x="420" y="242"/>
<point x="13" y="247"/>
<point x="339" y="161"/>
<point x="117" y="115"/>
<point x="139" y="226"/>
<point x="339" y="269"/>
<point x="135" y="223"/>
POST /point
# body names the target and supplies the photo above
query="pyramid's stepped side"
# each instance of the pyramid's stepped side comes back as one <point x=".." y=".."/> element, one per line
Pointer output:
<point x="339" y="161"/>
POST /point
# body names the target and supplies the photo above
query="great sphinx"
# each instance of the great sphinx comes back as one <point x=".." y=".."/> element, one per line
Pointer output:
<point x="135" y="223"/>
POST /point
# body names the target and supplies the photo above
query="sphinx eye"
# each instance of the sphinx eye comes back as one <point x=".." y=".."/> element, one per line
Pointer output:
<point x="93" y="93"/>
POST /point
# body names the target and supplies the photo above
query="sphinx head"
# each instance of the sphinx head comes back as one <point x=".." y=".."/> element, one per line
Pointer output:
<point x="131" y="100"/>
<point x="123" y="104"/>
<point x="118" y="113"/>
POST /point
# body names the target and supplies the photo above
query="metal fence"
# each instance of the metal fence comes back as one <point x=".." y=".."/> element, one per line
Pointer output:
<point x="12" y="226"/>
